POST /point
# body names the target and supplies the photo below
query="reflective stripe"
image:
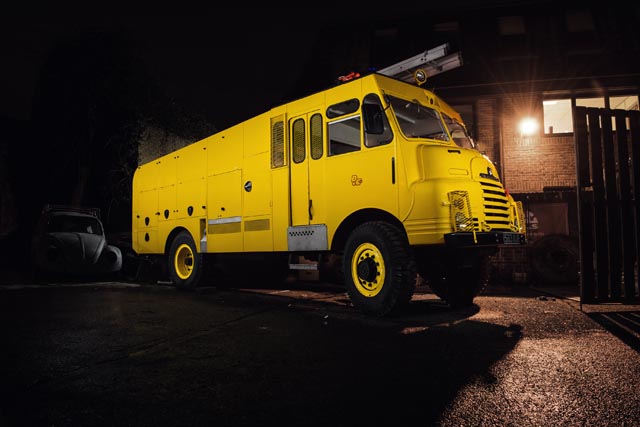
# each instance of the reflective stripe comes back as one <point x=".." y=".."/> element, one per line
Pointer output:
<point x="225" y="220"/>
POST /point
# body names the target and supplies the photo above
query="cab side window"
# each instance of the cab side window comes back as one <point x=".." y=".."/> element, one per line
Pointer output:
<point x="344" y="134"/>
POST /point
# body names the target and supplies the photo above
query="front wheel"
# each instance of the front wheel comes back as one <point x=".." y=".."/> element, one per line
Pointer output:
<point x="458" y="280"/>
<point x="185" y="263"/>
<point x="379" y="269"/>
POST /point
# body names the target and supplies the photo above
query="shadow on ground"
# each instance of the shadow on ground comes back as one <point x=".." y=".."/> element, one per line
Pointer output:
<point x="152" y="356"/>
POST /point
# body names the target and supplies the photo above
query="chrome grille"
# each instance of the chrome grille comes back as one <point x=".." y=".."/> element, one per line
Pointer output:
<point x="496" y="205"/>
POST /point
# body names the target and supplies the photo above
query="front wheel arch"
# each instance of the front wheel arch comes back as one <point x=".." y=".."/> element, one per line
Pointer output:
<point x="355" y="219"/>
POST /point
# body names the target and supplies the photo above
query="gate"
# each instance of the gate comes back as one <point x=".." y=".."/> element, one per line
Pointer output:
<point x="608" y="189"/>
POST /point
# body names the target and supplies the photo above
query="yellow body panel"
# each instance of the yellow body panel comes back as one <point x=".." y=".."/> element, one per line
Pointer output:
<point x="232" y="196"/>
<point x="191" y="190"/>
<point x="224" y="228"/>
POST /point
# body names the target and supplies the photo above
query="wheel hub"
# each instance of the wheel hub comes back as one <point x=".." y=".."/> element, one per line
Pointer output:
<point x="368" y="269"/>
<point x="184" y="262"/>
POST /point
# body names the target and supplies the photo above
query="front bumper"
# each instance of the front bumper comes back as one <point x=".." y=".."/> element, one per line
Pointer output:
<point x="493" y="238"/>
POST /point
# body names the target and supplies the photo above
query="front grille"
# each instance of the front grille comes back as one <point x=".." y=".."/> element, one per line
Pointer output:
<point x="496" y="205"/>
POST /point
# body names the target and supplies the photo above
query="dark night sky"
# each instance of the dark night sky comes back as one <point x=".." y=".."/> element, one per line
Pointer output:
<point x="201" y="61"/>
<point x="205" y="60"/>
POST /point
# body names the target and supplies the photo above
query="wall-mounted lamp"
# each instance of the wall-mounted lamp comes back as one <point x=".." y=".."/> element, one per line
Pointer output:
<point x="528" y="126"/>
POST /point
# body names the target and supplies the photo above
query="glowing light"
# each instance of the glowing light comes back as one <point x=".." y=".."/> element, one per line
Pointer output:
<point x="528" y="126"/>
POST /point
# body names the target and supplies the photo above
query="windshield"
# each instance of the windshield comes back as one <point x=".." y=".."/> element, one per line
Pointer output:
<point x="418" y="121"/>
<point x="458" y="132"/>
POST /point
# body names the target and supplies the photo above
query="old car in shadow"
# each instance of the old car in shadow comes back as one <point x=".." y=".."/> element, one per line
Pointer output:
<point x="70" y="242"/>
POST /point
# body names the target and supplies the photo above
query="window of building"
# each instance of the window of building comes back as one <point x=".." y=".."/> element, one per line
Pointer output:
<point x="624" y="103"/>
<point x="512" y="45"/>
<point x="510" y="25"/>
<point x="579" y="20"/>
<point x="581" y="38"/>
<point x="558" y="117"/>
<point x="448" y="26"/>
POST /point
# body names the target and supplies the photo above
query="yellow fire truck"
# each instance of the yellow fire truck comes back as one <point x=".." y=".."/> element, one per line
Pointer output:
<point x="376" y="172"/>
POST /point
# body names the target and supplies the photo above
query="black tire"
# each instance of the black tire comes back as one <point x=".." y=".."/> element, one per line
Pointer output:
<point x="457" y="282"/>
<point x="467" y="284"/>
<point x="379" y="268"/>
<point x="185" y="263"/>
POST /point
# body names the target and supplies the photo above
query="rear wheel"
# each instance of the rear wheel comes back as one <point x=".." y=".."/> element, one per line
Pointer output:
<point x="379" y="269"/>
<point x="185" y="263"/>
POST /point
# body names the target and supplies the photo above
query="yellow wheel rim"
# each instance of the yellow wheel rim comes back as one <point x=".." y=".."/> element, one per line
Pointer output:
<point x="367" y="270"/>
<point x="183" y="261"/>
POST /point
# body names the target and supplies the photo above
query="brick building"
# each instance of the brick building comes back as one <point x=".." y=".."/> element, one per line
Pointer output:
<point x="535" y="61"/>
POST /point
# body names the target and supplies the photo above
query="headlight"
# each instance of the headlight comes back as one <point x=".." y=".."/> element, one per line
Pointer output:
<point x="461" y="221"/>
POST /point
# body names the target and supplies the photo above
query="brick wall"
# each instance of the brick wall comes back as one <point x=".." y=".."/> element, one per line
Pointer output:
<point x="531" y="163"/>
<point x="527" y="165"/>
<point x="487" y="135"/>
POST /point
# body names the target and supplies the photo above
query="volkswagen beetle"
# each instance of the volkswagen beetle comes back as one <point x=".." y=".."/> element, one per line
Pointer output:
<point x="71" y="241"/>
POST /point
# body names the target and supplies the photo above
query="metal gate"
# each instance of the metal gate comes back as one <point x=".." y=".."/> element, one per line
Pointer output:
<point x="608" y="182"/>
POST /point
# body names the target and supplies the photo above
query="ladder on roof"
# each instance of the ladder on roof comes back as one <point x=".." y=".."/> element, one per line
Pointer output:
<point x="433" y="61"/>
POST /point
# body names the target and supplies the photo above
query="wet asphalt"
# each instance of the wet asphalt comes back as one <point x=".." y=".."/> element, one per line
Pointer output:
<point x="130" y="354"/>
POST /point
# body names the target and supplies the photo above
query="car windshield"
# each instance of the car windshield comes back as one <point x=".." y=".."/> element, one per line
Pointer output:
<point x="458" y="132"/>
<point x="73" y="224"/>
<point x="418" y="121"/>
